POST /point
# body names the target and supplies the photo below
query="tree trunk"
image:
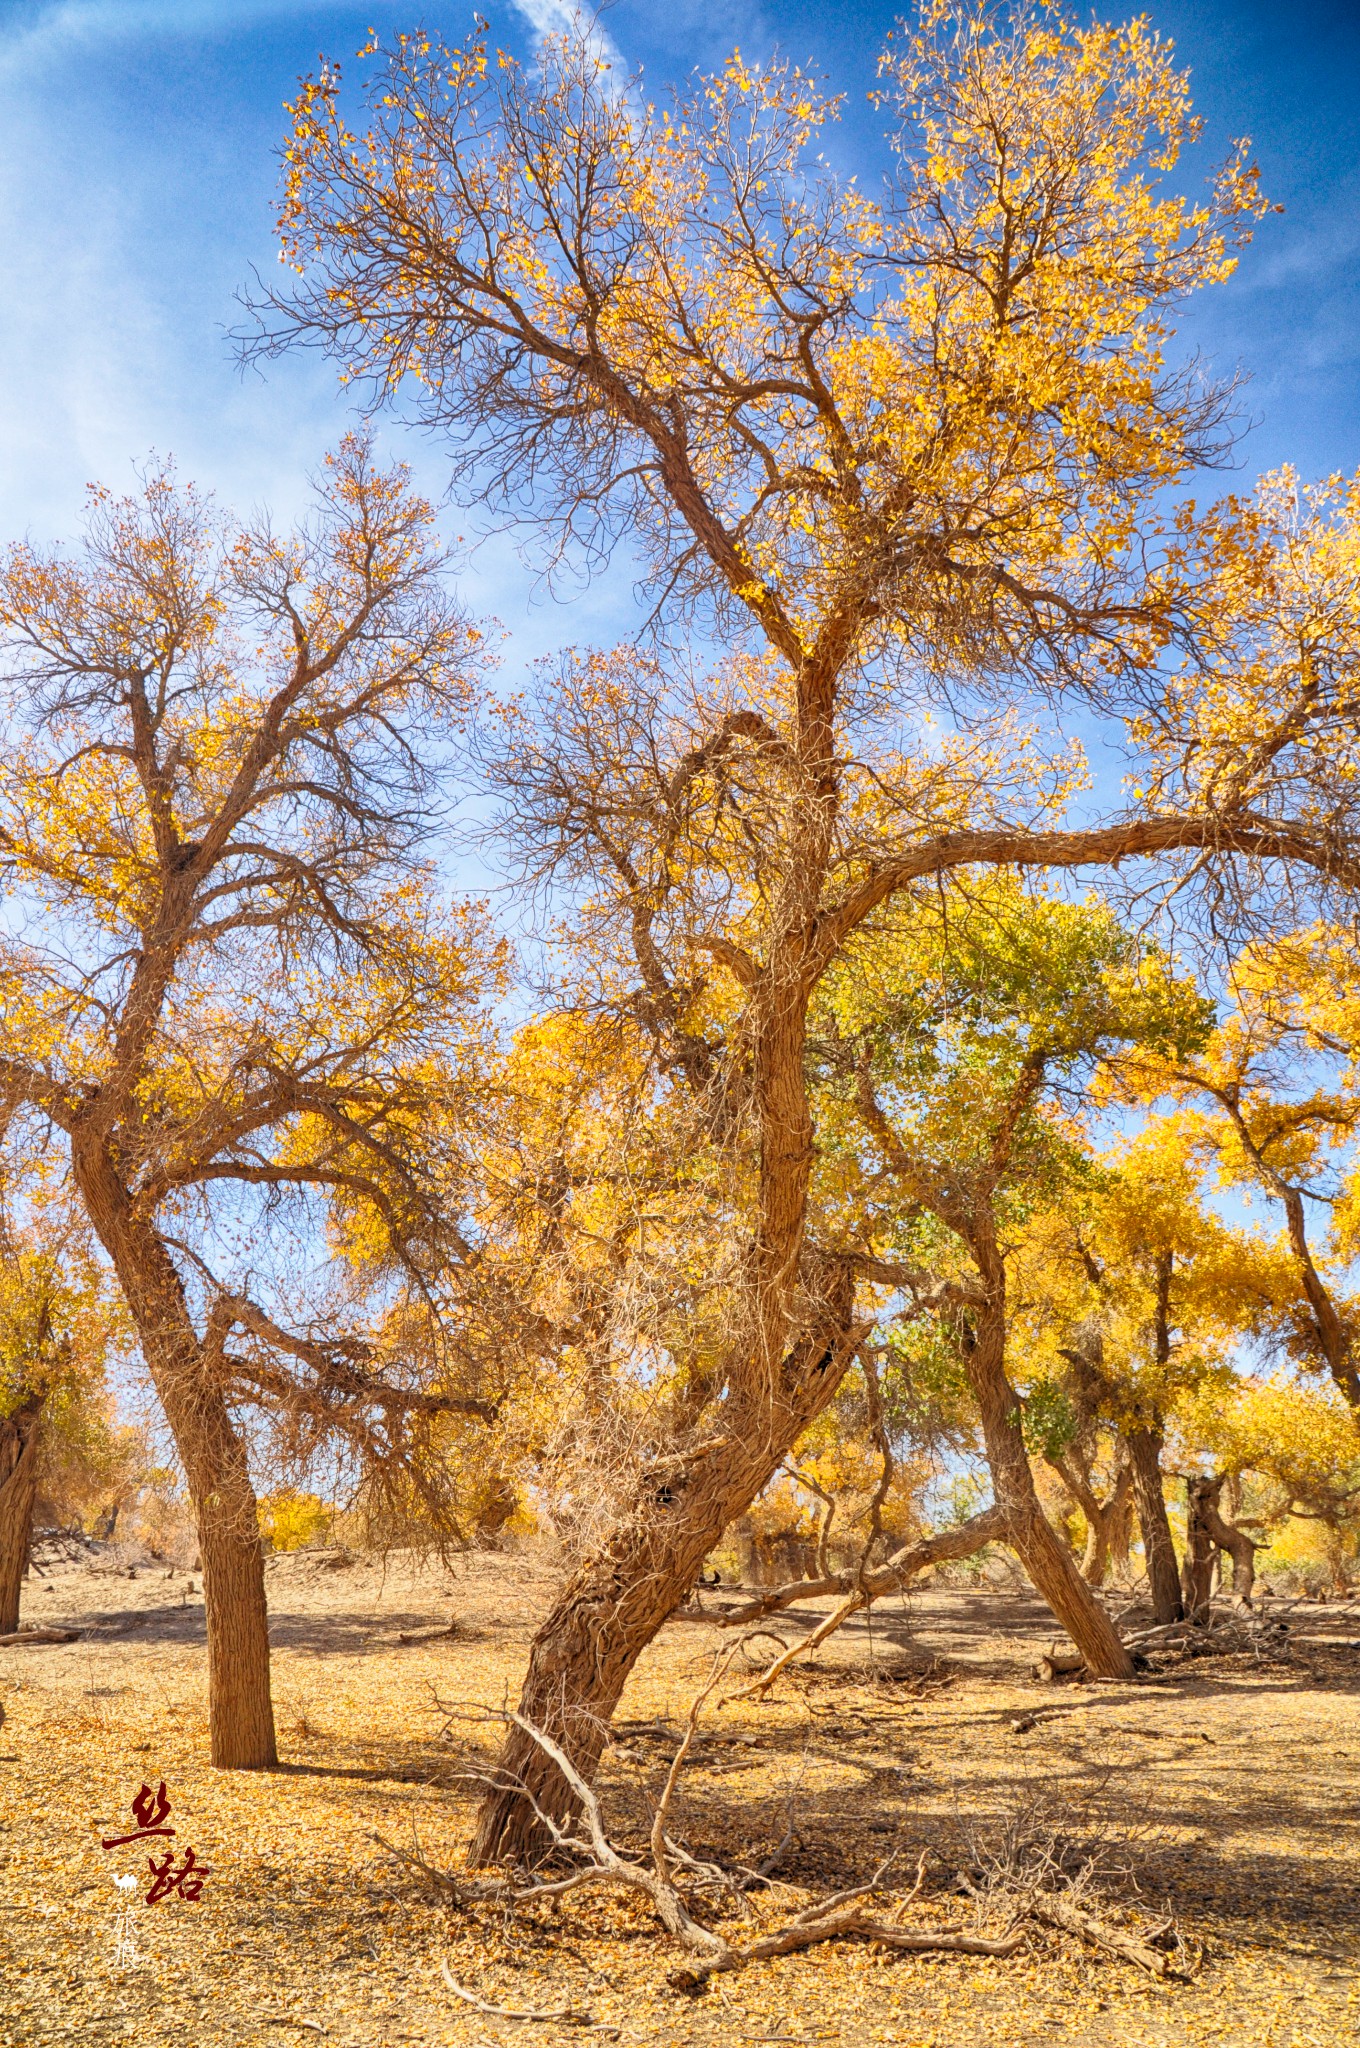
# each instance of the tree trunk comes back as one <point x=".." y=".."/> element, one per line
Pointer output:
<point x="1102" y="1518"/>
<point x="1051" y="1567"/>
<point x="19" y="1434"/>
<point x="1225" y="1535"/>
<point x="616" y="1600"/>
<point x="1331" y="1331"/>
<point x="1145" y="1453"/>
<point x="1121" y="1522"/>
<point x="213" y="1453"/>
<point x="1197" y="1576"/>
<point x="240" y="1707"/>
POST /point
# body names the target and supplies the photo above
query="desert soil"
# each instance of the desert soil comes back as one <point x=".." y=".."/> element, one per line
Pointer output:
<point x="1227" y="1788"/>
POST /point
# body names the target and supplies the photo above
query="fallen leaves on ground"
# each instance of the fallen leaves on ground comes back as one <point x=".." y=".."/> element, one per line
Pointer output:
<point x="309" y="1928"/>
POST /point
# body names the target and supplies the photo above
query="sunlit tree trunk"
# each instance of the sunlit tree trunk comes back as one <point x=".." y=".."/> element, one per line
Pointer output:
<point x="19" y="1432"/>
<point x="615" y="1601"/>
<point x="1051" y="1567"/>
<point x="1104" y="1519"/>
<point x="213" y="1454"/>
<point x="1197" y="1571"/>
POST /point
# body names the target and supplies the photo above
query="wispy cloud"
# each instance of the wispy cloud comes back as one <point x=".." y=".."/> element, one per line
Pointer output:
<point x="549" y="18"/>
<point x="65" y="27"/>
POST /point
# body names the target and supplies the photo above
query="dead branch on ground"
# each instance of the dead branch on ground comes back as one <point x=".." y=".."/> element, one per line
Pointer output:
<point x="1019" y="1887"/>
<point x="860" y="1588"/>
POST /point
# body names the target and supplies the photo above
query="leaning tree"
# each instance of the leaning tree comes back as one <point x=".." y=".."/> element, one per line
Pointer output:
<point x="883" y="455"/>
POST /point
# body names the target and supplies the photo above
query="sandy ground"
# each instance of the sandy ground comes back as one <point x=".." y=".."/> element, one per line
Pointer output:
<point x="1230" y="1789"/>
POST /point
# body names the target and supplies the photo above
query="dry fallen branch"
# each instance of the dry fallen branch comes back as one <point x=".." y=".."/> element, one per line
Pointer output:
<point x="861" y="1588"/>
<point x="440" y="1879"/>
<point x="566" y="2014"/>
<point x="1261" y="1635"/>
<point x="1028" y="1883"/>
<point x="1061" y="1910"/>
<point x="947" y="1546"/>
<point x="1033" y="1865"/>
<point x="599" y="1864"/>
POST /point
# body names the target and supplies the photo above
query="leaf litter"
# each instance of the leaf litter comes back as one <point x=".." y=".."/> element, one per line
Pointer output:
<point x="322" y="1919"/>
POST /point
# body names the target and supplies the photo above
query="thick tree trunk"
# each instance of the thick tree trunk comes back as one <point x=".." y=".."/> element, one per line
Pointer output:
<point x="1051" y="1567"/>
<point x="1240" y="1547"/>
<point x="19" y="1434"/>
<point x="240" y="1708"/>
<point x="617" y="1599"/>
<point x="213" y="1453"/>
<point x="1164" y="1584"/>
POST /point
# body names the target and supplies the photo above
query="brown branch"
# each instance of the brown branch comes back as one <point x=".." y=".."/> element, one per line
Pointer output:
<point x="991" y="1526"/>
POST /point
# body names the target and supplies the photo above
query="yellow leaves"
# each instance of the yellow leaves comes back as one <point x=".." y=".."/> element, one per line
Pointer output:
<point x="291" y="1520"/>
<point x="1304" y="1438"/>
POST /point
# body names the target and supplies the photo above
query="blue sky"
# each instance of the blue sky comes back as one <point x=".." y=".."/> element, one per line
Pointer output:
<point x="136" y="150"/>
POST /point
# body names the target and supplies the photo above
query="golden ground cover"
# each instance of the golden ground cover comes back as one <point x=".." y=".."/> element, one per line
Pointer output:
<point x="1230" y="1787"/>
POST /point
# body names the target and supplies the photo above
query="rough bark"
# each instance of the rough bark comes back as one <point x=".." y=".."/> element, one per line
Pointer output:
<point x="618" y="1598"/>
<point x="1051" y="1567"/>
<point x="1164" y="1583"/>
<point x="1102" y="1518"/>
<point x="213" y="1454"/>
<point x="1240" y="1547"/>
<point x="1197" y="1571"/>
<point x="1210" y="1530"/>
<point x="19" y="1433"/>
<point x="1121" y="1524"/>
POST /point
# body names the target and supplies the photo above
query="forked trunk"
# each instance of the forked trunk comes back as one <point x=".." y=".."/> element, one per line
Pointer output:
<point x="1240" y="1547"/>
<point x="19" y="1433"/>
<point x="1103" y="1518"/>
<point x="1164" y="1581"/>
<point x="615" y="1602"/>
<point x="213" y="1453"/>
<point x="1109" y="1519"/>
<point x="1051" y="1567"/>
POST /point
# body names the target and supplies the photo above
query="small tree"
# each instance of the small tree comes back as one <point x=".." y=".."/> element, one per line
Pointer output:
<point x="957" y="1048"/>
<point x="1139" y="1296"/>
<point x="236" y="1001"/>
<point x="1274" y="1104"/>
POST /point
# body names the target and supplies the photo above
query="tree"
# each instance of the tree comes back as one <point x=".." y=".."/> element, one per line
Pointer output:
<point x="882" y="451"/>
<point x="1139" y="1297"/>
<point x="953" y="1043"/>
<point x="1278" y="1087"/>
<point x="236" y="1001"/>
<point x="57" y="1329"/>
<point x="1297" y="1443"/>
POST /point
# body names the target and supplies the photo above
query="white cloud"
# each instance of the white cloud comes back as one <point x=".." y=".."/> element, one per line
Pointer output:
<point x="549" y="18"/>
<point x="68" y="26"/>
